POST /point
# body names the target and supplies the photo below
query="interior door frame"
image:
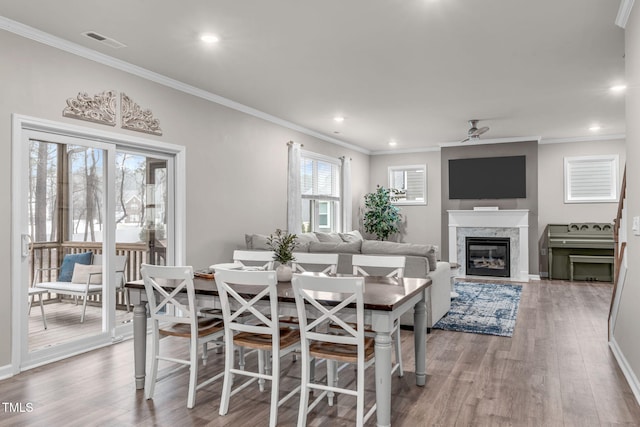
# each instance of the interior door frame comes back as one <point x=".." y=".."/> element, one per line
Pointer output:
<point x="21" y="127"/>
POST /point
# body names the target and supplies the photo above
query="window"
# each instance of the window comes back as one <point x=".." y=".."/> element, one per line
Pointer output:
<point x="408" y="184"/>
<point x="320" y="189"/>
<point x="591" y="179"/>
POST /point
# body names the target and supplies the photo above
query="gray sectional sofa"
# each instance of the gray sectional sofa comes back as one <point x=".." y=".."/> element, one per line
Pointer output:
<point x="421" y="262"/>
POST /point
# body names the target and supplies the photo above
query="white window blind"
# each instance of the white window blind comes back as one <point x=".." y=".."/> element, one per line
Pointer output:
<point x="320" y="188"/>
<point x="408" y="184"/>
<point x="591" y="179"/>
<point x="319" y="177"/>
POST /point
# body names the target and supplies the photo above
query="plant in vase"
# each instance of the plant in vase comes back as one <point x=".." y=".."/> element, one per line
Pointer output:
<point x="381" y="217"/>
<point x="282" y="243"/>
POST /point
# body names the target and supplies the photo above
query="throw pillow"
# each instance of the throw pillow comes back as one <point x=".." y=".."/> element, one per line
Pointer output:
<point x="352" y="236"/>
<point x="335" y="248"/>
<point x="377" y="247"/>
<point x="328" y="237"/>
<point x="257" y="242"/>
<point x="81" y="274"/>
<point x="69" y="261"/>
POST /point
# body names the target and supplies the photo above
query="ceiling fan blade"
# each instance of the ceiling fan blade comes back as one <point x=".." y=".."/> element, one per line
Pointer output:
<point x="465" y="140"/>
<point x="481" y="131"/>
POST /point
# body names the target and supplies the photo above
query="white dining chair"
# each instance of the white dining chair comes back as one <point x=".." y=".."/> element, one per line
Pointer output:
<point x="251" y="258"/>
<point x="348" y="345"/>
<point x="362" y="265"/>
<point x="242" y="294"/>
<point x="305" y="259"/>
<point x="170" y="316"/>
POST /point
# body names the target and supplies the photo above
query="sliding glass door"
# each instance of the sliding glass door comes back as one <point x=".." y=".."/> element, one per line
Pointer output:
<point x="90" y="213"/>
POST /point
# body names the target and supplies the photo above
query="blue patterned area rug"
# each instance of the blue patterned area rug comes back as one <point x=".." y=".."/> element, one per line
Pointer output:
<point x="483" y="308"/>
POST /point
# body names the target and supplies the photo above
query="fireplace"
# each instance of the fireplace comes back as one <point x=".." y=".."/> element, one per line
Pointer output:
<point x="488" y="256"/>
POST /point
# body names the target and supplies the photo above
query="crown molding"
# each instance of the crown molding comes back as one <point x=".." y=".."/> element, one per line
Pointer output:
<point x="405" y="151"/>
<point x="623" y="13"/>
<point x="90" y="54"/>
<point x="540" y="140"/>
<point x="615" y="137"/>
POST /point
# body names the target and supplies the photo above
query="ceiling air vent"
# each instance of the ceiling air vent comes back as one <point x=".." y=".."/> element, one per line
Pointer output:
<point x="104" y="40"/>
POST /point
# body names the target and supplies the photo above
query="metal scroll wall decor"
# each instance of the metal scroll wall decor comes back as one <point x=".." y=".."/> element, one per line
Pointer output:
<point x="101" y="108"/>
<point x="135" y="118"/>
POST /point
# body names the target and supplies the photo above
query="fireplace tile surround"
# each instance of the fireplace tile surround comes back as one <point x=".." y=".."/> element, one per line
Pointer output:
<point x="511" y="223"/>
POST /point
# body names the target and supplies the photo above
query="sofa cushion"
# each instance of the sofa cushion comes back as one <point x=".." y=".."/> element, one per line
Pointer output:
<point x="81" y="274"/>
<point x="378" y="247"/>
<point x="328" y="237"/>
<point x="335" y="248"/>
<point x="69" y="261"/>
<point x="351" y="236"/>
<point x="303" y="241"/>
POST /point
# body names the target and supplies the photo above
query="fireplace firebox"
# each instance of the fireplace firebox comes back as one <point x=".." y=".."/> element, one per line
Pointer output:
<point x="488" y="256"/>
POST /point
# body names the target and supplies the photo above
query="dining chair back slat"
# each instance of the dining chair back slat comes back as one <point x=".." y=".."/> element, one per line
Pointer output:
<point x="304" y="259"/>
<point x="362" y="262"/>
<point x="264" y="259"/>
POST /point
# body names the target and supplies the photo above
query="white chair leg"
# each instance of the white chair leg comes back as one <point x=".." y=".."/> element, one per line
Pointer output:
<point x="331" y="379"/>
<point x="205" y="355"/>
<point x="84" y="309"/>
<point x="305" y="375"/>
<point x="360" y="397"/>
<point x="275" y="390"/>
<point x="193" y="373"/>
<point x="44" y="318"/>
<point x="126" y="299"/>
<point x="261" y="357"/>
<point x="228" y="378"/>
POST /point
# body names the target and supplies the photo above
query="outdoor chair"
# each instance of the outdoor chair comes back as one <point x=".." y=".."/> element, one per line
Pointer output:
<point x="80" y="275"/>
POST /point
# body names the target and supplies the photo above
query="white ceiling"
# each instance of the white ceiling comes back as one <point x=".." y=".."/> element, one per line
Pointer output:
<point x="409" y="70"/>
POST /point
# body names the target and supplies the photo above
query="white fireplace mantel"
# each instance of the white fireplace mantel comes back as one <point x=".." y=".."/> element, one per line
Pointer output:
<point x="502" y="219"/>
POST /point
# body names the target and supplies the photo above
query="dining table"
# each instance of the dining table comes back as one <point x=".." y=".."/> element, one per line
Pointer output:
<point x="385" y="300"/>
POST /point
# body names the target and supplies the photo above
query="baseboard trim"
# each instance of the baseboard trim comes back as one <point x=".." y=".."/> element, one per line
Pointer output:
<point x="6" y="372"/>
<point x="626" y="369"/>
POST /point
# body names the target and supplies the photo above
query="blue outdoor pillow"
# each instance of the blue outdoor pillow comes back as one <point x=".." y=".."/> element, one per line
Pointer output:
<point x="69" y="261"/>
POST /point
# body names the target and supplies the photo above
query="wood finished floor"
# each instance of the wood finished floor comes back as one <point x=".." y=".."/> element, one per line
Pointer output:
<point x="556" y="370"/>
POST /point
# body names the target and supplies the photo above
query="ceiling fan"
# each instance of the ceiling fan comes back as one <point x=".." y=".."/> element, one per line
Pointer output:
<point x="474" y="132"/>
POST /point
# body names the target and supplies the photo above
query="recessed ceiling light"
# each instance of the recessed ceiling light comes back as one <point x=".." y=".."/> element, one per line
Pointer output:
<point x="595" y="128"/>
<point x="339" y="119"/>
<point x="209" y="38"/>
<point x="618" y="88"/>
<point x="393" y="143"/>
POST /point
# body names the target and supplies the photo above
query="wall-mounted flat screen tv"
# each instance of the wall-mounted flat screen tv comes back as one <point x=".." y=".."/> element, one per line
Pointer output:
<point x="488" y="178"/>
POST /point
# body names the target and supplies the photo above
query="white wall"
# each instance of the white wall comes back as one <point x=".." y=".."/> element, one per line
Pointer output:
<point x="626" y="333"/>
<point x="551" y="206"/>
<point x="236" y="177"/>
<point x="421" y="223"/>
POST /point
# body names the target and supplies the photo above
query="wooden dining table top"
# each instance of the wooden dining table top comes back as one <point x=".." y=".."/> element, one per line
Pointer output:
<point x="380" y="293"/>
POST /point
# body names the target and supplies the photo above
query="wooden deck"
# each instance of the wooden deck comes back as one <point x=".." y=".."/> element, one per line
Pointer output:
<point x="556" y="370"/>
<point x="63" y="323"/>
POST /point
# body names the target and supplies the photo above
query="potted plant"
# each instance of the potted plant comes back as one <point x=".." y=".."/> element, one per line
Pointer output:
<point x="282" y="243"/>
<point x="381" y="217"/>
